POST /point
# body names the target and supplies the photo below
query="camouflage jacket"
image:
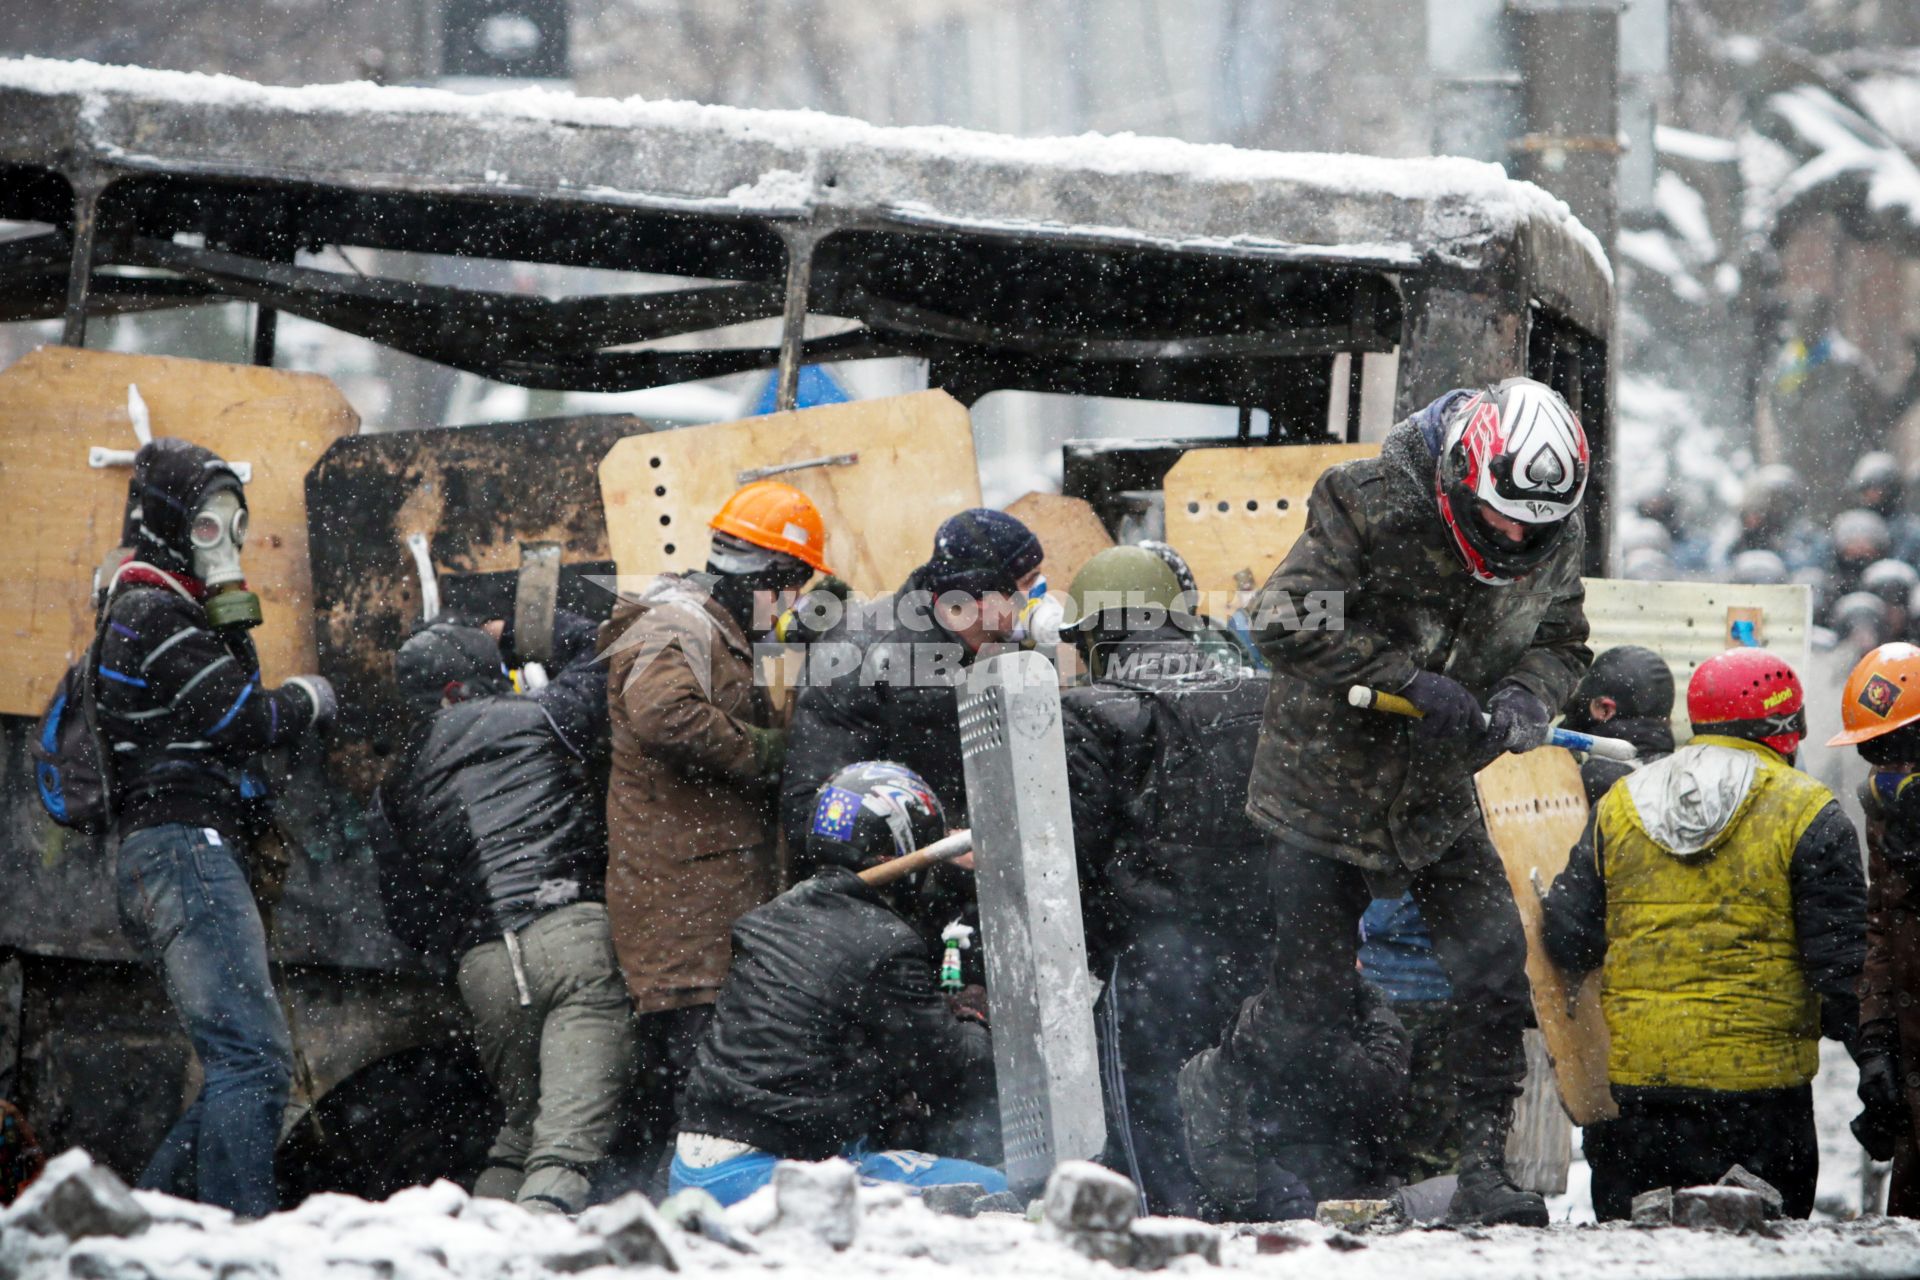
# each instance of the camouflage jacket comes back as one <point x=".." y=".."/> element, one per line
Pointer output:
<point x="1358" y="785"/>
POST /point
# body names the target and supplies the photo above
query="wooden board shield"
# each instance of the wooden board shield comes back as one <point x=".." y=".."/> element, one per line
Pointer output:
<point x="912" y="466"/>
<point x="478" y="496"/>
<point x="1231" y="511"/>
<point x="61" y="516"/>
<point x="1536" y="809"/>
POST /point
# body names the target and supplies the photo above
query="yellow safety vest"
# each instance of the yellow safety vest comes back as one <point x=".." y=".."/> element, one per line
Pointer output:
<point x="1702" y="986"/>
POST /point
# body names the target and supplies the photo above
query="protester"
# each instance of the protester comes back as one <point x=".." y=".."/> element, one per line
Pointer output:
<point x="1719" y="893"/>
<point x="1329" y="1126"/>
<point x="1626" y="694"/>
<point x="1880" y="715"/>
<point x="884" y="686"/>
<point x="489" y="834"/>
<point x="832" y="1003"/>
<point x="1173" y="874"/>
<point x="697" y="753"/>
<point x="184" y="714"/>
<point x="1474" y="494"/>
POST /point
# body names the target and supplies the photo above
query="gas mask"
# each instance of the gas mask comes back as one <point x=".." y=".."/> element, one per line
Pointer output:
<point x="1041" y="616"/>
<point x="218" y="532"/>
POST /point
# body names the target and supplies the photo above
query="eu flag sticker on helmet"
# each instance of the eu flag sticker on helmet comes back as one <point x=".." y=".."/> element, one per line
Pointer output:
<point x="834" y="812"/>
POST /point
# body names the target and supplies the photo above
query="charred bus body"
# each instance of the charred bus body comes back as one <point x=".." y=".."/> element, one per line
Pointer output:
<point x="1281" y="285"/>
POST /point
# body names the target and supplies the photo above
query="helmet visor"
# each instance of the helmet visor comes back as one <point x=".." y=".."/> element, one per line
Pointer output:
<point x="1506" y="543"/>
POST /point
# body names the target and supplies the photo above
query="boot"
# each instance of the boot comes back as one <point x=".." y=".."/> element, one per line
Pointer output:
<point x="1219" y="1132"/>
<point x="1485" y="1195"/>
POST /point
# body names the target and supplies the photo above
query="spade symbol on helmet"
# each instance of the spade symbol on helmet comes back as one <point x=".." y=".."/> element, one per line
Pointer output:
<point x="1546" y="471"/>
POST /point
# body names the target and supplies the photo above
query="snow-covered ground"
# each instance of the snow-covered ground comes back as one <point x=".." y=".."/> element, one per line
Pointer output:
<point x="441" y="1233"/>
<point x="438" y="1232"/>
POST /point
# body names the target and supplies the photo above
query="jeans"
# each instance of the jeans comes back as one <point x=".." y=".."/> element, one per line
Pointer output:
<point x="185" y="903"/>
<point x="561" y="1064"/>
<point x="732" y="1181"/>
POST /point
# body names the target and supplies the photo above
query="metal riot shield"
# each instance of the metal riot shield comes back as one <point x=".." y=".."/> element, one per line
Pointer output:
<point x="1039" y="991"/>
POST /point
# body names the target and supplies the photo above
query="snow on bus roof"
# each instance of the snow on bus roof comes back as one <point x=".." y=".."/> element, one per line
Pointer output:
<point x="1491" y="202"/>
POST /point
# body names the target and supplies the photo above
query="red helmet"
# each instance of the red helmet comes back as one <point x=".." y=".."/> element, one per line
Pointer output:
<point x="1517" y="452"/>
<point x="1749" y="693"/>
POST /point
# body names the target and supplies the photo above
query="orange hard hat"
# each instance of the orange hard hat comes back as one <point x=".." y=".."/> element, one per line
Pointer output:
<point x="1883" y="694"/>
<point x="778" y="517"/>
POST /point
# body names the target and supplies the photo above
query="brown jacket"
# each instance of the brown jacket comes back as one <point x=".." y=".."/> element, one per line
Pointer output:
<point x="1890" y="980"/>
<point x="690" y="819"/>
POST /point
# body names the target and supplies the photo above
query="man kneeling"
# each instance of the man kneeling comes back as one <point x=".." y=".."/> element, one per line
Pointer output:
<point x="831" y="1004"/>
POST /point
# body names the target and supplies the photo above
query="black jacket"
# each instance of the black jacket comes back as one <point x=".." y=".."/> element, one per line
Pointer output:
<point x="182" y="710"/>
<point x="576" y="697"/>
<point x="892" y="707"/>
<point x="832" y="1004"/>
<point x="1652" y="737"/>
<point x="1158" y="773"/>
<point x="495" y="814"/>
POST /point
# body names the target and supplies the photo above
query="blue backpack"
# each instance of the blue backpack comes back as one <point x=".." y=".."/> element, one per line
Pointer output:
<point x="70" y="761"/>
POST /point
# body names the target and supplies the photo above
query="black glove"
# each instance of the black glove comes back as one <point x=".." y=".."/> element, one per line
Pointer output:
<point x="1450" y="710"/>
<point x="814" y="614"/>
<point x="318" y="691"/>
<point x="1516" y="720"/>
<point x="1883" y="1116"/>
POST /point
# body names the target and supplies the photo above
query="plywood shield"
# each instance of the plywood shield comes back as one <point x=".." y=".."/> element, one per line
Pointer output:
<point x="1234" y="512"/>
<point x="885" y="473"/>
<point x="1536" y="809"/>
<point x="61" y="516"/>
<point x="477" y="497"/>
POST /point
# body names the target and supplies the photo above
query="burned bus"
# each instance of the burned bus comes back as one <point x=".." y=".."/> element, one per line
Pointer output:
<point x="1318" y="296"/>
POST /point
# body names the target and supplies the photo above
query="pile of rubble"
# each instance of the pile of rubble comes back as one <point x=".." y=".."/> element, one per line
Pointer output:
<point x="1741" y="1201"/>
<point x="80" y="1221"/>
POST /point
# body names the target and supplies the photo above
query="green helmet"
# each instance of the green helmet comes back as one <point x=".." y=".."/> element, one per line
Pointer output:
<point x="1122" y="578"/>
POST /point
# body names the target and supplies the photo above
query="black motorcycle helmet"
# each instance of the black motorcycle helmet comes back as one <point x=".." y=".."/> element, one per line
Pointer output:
<point x="871" y="812"/>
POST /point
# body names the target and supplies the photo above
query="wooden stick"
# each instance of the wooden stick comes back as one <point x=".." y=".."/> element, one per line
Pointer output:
<point x="957" y="845"/>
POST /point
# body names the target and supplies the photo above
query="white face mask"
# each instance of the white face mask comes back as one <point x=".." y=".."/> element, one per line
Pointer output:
<point x="218" y="532"/>
<point x="1040" y="619"/>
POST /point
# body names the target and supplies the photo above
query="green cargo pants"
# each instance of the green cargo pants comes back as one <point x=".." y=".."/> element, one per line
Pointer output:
<point x="561" y="1063"/>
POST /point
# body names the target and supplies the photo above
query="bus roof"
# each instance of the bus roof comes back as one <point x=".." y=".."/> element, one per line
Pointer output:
<point x="540" y="175"/>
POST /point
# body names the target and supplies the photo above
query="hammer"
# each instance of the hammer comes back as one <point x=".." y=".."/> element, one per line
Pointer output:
<point x="1392" y="703"/>
<point x="957" y="845"/>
